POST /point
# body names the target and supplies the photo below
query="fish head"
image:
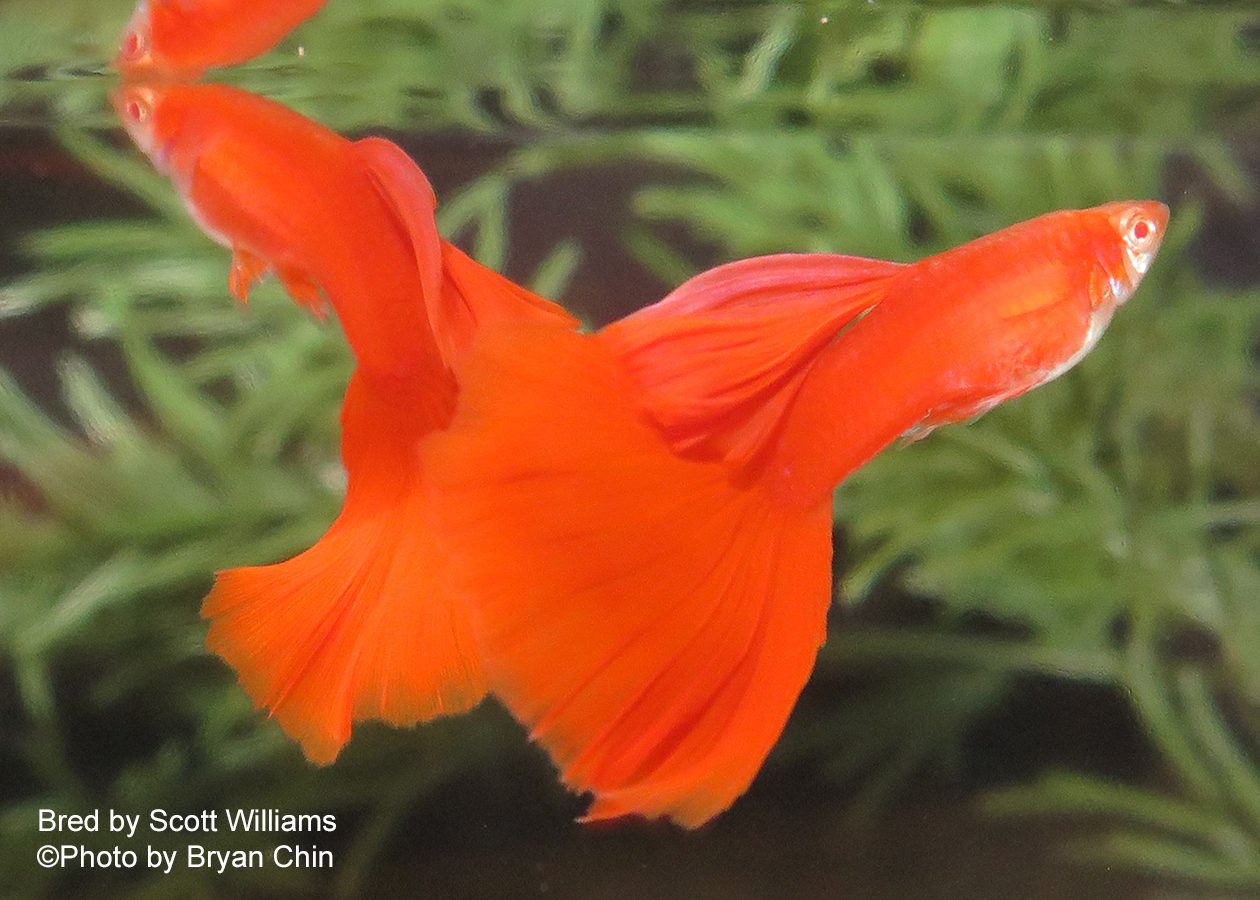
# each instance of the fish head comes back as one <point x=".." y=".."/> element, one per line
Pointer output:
<point x="1052" y="286"/>
<point x="175" y="126"/>
<point x="171" y="123"/>
<point x="1131" y="232"/>
<point x="135" y="48"/>
<point x="149" y="120"/>
<point x="1123" y="238"/>
<point x="162" y="41"/>
<point x="1138" y="227"/>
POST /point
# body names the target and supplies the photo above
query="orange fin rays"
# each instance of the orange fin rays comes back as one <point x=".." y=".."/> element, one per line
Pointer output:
<point x="718" y="361"/>
<point x="247" y="269"/>
<point x="649" y="622"/>
<point x="764" y="282"/>
<point x="733" y="716"/>
<point x="361" y="625"/>
<point x="303" y="289"/>
<point x="476" y="297"/>
<point x="693" y="739"/>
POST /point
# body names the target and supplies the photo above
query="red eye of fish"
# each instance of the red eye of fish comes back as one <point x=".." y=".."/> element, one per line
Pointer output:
<point x="1140" y="233"/>
<point x="132" y="45"/>
<point x="137" y="110"/>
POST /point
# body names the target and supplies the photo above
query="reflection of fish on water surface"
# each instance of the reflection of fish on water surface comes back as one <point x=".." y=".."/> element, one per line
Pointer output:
<point x="643" y="516"/>
<point x="337" y="634"/>
<point x="625" y="536"/>
<point x="182" y="38"/>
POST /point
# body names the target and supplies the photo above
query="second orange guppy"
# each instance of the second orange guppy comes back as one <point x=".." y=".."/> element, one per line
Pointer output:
<point x="360" y="625"/>
<point x="642" y="517"/>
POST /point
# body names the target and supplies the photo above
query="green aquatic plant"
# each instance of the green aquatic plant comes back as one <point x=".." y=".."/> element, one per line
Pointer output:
<point x="1102" y="530"/>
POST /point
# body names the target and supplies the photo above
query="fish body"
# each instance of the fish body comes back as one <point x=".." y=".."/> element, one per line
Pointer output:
<point x="642" y="516"/>
<point x="180" y="39"/>
<point x="896" y="349"/>
<point x="361" y="625"/>
<point x="963" y="331"/>
<point x="348" y="223"/>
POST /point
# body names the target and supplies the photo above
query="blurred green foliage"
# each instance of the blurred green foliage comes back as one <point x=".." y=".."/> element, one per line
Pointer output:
<point x="1103" y="524"/>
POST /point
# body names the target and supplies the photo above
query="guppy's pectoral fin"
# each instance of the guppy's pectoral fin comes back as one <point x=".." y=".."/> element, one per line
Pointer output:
<point x="247" y="270"/>
<point x="303" y="289"/>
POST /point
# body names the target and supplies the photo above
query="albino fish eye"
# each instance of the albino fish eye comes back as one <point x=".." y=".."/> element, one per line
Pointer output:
<point x="1139" y="232"/>
<point x="138" y="110"/>
<point x="1141" y="237"/>
<point x="137" y="105"/>
<point x="134" y="44"/>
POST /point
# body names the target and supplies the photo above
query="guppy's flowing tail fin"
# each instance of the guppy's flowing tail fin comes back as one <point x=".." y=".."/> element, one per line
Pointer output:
<point x="649" y="622"/>
<point x="361" y="625"/>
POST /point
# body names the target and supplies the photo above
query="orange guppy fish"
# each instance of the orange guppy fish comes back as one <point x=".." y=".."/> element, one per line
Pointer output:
<point x="180" y="39"/>
<point x="338" y="633"/>
<point x="642" y="517"/>
<point x="624" y="536"/>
